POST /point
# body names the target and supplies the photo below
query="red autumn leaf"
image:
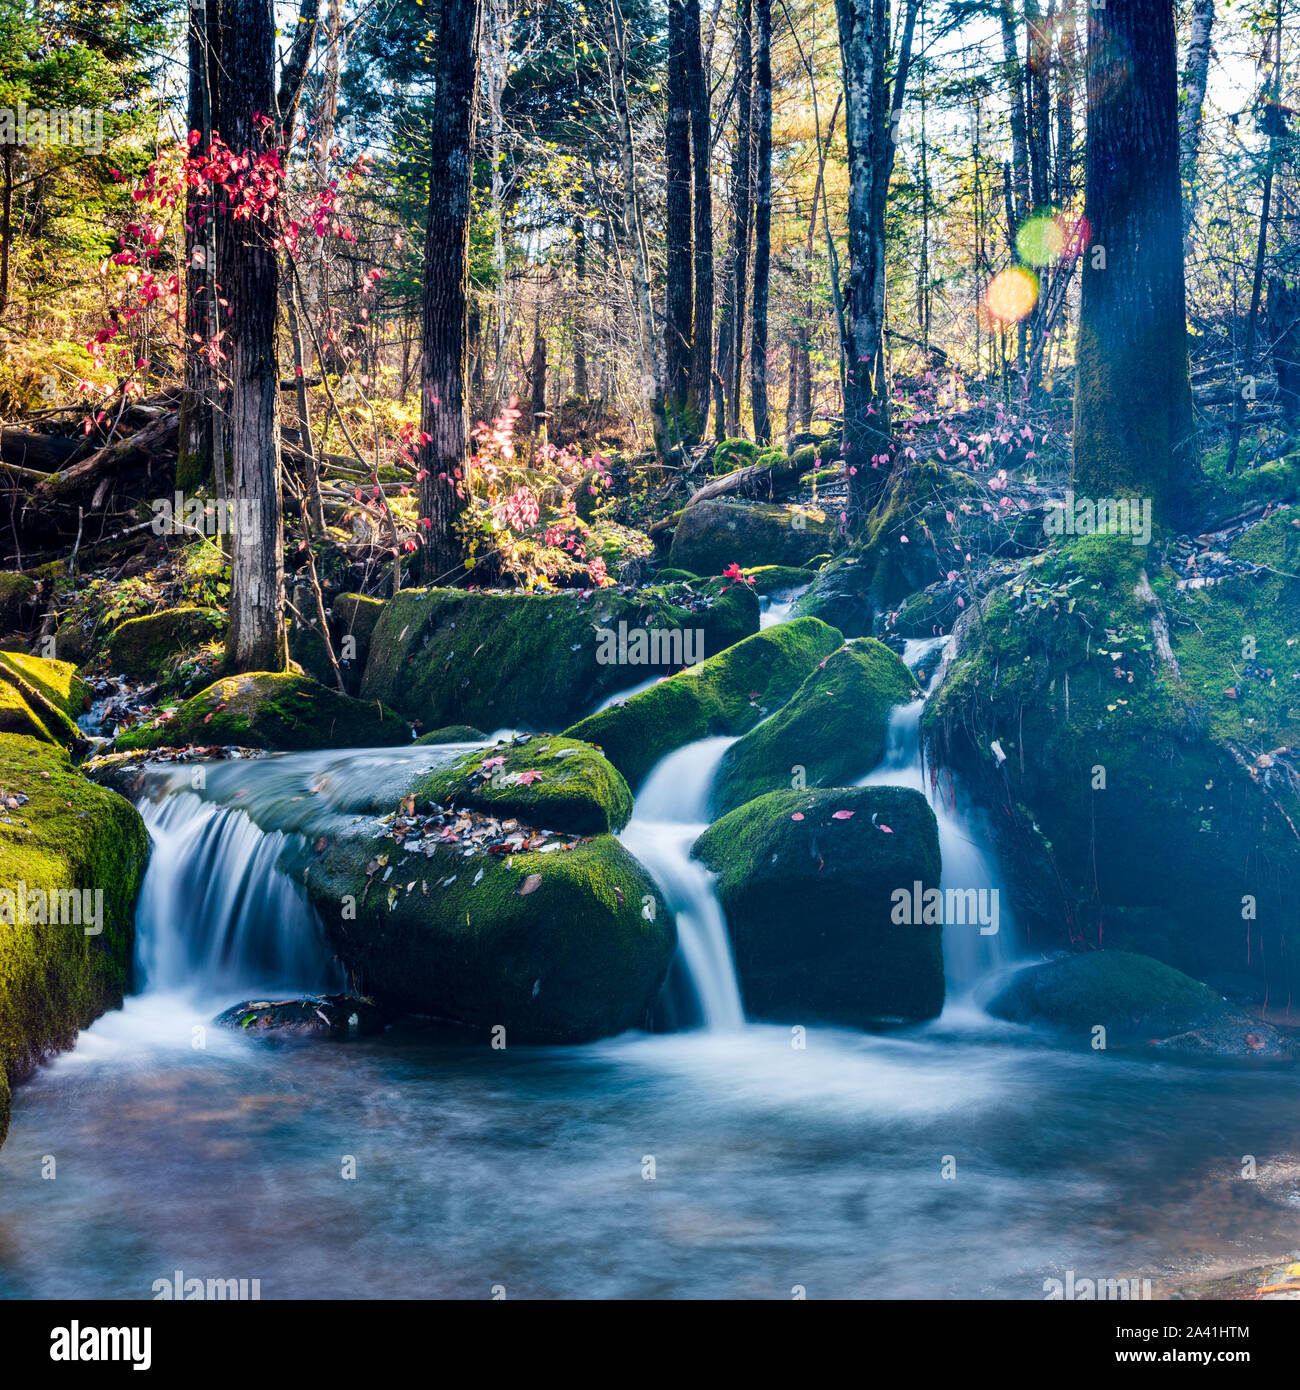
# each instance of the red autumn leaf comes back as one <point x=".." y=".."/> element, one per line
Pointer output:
<point x="529" y="777"/>
<point x="841" y="815"/>
<point x="798" y="815"/>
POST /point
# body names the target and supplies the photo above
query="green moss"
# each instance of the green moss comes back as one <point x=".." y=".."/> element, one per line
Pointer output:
<point x="770" y="579"/>
<point x="578" y="790"/>
<point x="731" y="454"/>
<point x="140" y="647"/>
<point x="70" y="834"/>
<point x="714" y="534"/>
<point x="728" y="694"/>
<point x="27" y="711"/>
<point x="841" y="595"/>
<point x="1126" y="994"/>
<point x="18" y="717"/>
<point x="833" y="728"/>
<point x="444" y="656"/>
<point x="454" y="733"/>
<point x="809" y="903"/>
<point x="266" y="709"/>
<point x="667" y="576"/>
<point x="580" y="956"/>
<point x="57" y="681"/>
<point x="16" y="592"/>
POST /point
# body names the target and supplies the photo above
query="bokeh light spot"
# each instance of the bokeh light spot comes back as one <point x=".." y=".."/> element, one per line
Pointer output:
<point x="1011" y="294"/>
<point x="1041" y="239"/>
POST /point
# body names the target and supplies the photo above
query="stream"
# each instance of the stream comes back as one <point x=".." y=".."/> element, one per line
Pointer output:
<point x="711" y="1159"/>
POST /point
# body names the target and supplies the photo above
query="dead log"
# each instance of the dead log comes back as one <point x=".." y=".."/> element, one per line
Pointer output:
<point x="137" y="449"/>
<point x="44" y="453"/>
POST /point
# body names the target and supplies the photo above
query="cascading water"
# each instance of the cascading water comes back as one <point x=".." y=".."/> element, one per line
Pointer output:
<point x="670" y="813"/>
<point x="776" y="607"/>
<point x="969" y="955"/>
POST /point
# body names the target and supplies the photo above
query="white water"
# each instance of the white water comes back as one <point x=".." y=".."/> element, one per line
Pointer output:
<point x="968" y="956"/>
<point x="775" y="607"/>
<point x="669" y="814"/>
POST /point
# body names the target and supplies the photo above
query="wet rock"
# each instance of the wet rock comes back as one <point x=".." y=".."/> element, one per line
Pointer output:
<point x="714" y="534"/>
<point x="807" y="882"/>
<point x="141" y="647"/>
<point x="337" y="1016"/>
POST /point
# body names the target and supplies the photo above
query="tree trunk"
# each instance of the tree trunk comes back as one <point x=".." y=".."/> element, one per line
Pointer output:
<point x="697" y="411"/>
<point x="580" y="386"/>
<point x="1284" y="332"/>
<point x="731" y="328"/>
<point x="1191" y="102"/>
<point x="1067" y="54"/>
<point x="444" y="415"/>
<point x="1133" y="433"/>
<point x="652" y="381"/>
<point x="1038" y="55"/>
<point x="1015" y="77"/>
<point x="762" y="218"/>
<point x="250" y="285"/>
<point x="864" y="38"/>
<point x="679" y="294"/>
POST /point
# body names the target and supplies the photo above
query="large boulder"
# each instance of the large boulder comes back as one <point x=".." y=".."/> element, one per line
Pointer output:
<point x="445" y="656"/>
<point x="832" y="730"/>
<point x="267" y="709"/>
<point x="141" y="647"/>
<point x="542" y="780"/>
<point x="714" y="534"/>
<point x="1137" y="732"/>
<point x="1135" y="999"/>
<point x="728" y="694"/>
<point x="808" y="882"/>
<point x="17" y="594"/>
<point x="79" y="851"/>
<point x="556" y="945"/>
<point x="841" y="595"/>
<point x="42" y="698"/>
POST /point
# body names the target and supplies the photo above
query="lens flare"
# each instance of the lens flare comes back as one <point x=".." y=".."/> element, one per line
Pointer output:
<point x="1041" y="239"/>
<point x="1011" y="294"/>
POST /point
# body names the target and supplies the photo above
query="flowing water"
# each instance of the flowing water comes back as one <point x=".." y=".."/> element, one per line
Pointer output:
<point x="716" y="1161"/>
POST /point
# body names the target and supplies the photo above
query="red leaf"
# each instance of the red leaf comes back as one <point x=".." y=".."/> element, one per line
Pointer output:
<point x="841" y="815"/>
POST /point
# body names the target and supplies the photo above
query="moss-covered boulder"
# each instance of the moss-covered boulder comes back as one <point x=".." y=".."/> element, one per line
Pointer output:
<point x="57" y="681"/>
<point x="35" y="696"/>
<point x="265" y="709"/>
<point x="544" y="780"/>
<point x="807" y="881"/>
<point x="776" y="579"/>
<point x="560" y="947"/>
<point x="730" y="454"/>
<point x="60" y="835"/>
<point x="714" y="534"/>
<point x="17" y="593"/>
<point x="1135" y="999"/>
<point x="831" y="731"/>
<point x="841" y="595"/>
<point x="140" y="647"/>
<point x="453" y="733"/>
<point x="1137" y="732"/>
<point x="355" y="617"/>
<point x="445" y="656"/>
<point x="728" y="694"/>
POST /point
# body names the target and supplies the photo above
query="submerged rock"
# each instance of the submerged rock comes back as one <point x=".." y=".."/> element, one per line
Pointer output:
<point x="728" y="694"/>
<point x="266" y="709"/>
<point x="714" y="534"/>
<point x="540" y="780"/>
<point x="77" y="852"/>
<point x="453" y="733"/>
<point x="319" y="1016"/>
<point x="807" y="881"/>
<point x="832" y="729"/>
<point x="1135" y="999"/>
<point x="445" y="656"/>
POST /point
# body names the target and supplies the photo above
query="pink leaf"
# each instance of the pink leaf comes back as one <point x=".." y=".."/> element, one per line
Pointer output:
<point x="798" y="815"/>
<point x="841" y="815"/>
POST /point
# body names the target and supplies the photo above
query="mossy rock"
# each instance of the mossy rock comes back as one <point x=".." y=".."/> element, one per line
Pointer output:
<point x="453" y="733"/>
<point x="307" y="650"/>
<point x="57" y="681"/>
<point x="140" y="647"/>
<point x="727" y="694"/>
<point x="17" y="592"/>
<point x="808" y="895"/>
<point x="1135" y="999"/>
<point x="354" y="617"/>
<point x="667" y="576"/>
<point x="823" y="476"/>
<point x="277" y="710"/>
<point x="841" y="595"/>
<point x="775" y="579"/>
<point x="932" y="612"/>
<point x="714" y="534"/>
<point x="555" y="948"/>
<point x="834" y="727"/>
<point x="444" y="656"/>
<point x="69" y="835"/>
<point x="18" y="717"/>
<point x="730" y="454"/>
<point x="566" y="785"/>
<point x="25" y="710"/>
<point x="1129" y="780"/>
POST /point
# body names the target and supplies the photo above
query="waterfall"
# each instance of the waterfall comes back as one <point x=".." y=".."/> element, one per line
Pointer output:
<point x="671" y="811"/>
<point x="968" y="955"/>
<point x="216" y="916"/>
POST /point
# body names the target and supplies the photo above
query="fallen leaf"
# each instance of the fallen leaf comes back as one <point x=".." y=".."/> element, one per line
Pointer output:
<point x="529" y="885"/>
<point x="841" y="815"/>
<point x="798" y="815"/>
